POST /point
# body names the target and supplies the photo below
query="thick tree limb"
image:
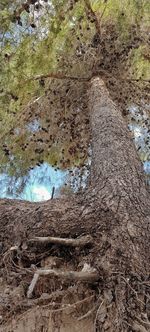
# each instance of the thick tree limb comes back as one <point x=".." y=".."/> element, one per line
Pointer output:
<point x="79" y="242"/>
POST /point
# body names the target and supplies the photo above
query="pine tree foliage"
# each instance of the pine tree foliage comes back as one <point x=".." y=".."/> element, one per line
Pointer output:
<point x="76" y="39"/>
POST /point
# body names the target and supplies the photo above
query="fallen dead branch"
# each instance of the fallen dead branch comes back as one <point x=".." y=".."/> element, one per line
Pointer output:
<point x="90" y="275"/>
<point x="79" y="242"/>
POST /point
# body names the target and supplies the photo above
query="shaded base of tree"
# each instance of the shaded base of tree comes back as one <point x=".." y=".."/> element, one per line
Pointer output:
<point x="115" y="300"/>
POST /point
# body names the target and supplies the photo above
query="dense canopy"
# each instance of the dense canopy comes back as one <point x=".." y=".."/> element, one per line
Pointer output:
<point x="49" y="50"/>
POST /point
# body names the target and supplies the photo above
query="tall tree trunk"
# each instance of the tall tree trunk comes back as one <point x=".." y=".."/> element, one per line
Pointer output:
<point x="115" y="210"/>
<point x="117" y="179"/>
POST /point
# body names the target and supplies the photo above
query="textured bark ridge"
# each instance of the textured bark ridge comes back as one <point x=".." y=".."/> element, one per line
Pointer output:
<point x="114" y="211"/>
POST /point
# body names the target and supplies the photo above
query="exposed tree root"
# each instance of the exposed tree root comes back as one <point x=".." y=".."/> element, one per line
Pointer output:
<point x="86" y="275"/>
<point x="138" y="328"/>
<point x="79" y="242"/>
<point x="91" y="312"/>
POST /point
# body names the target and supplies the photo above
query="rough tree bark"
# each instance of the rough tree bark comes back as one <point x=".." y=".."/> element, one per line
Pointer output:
<point x="114" y="209"/>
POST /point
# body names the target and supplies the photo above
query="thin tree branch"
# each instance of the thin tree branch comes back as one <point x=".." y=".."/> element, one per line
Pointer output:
<point x="90" y="11"/>
<point x="62" y="76"/>
<point x="58" y="76"/>
<point x="136" y="80"/>
<point x="53" y="191"/>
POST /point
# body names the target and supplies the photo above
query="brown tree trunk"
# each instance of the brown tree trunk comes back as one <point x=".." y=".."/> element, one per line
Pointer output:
<point x="115" y="210"/>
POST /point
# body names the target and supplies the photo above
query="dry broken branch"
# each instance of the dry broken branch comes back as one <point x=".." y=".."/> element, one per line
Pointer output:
<point x="79" y="242"/>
